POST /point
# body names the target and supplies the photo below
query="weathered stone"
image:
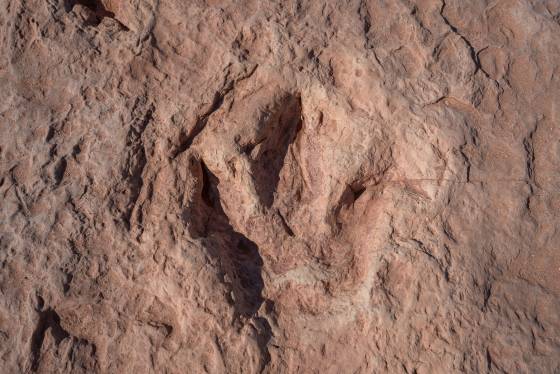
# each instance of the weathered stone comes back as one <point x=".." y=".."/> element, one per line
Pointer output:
<point x="279" y="186"/>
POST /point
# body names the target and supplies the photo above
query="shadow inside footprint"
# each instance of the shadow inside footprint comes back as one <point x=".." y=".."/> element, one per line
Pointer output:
<point x="274" y="137"/>
<point x="238" y="255"/>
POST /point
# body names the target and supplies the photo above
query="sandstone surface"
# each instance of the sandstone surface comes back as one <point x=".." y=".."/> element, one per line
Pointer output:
<point x="289" y="186"/>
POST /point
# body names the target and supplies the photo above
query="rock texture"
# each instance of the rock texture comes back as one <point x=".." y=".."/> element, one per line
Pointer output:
<point x="280" y="186"/>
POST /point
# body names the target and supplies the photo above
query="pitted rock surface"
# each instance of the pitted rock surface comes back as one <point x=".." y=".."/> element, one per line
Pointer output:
<point x="280" y="186"/>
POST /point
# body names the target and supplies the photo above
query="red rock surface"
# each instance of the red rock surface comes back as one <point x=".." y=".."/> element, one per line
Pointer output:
<point x="279" y="186"/>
